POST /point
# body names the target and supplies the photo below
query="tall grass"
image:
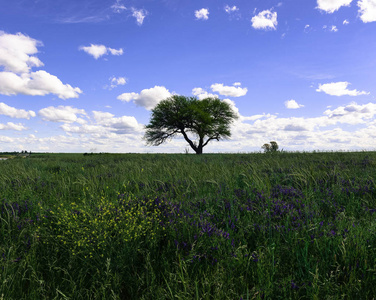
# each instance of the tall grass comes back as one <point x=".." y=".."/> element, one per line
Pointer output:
<point x="167" y="226"/>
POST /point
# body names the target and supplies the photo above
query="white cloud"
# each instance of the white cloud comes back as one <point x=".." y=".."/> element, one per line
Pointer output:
<point x="307" y="133"/>
<point x="116" y="52"/>
<point x="345" y="22"/>
<point x="126" y="125"/>
<point x="333" y="28"/>
<point x="66" y="114"/>
<point x="295" y="127"/>
<point x="99" y="50"/>
<point x="139" y="14"/>
<point x="292" y="104"/>
<point x="116" y="81"/>
<point x="233" y="12"/>
<point x="95" y="50"/>
<point x="330" y="6"/>
<point x="339" y="89"/>
<point x="353" y="113"/>
<point x="16" y="52"/>
<point x="265" y="20"/>
<point x="147" y="98"/>
<point x="127" y="97"/>
<point x="12" y="126"/>
<point x="84" y="129"/>
<point x="16" y="56"/>
<point x="233" y="106"/>
<point x="202" y="14"/>
<point x="307" y="28"/>
<point x="105" y="125"/>
<point x="14" y="112"/>
<point x="118" y="7"/>
<point x="102" y="117"/>
<point x="37" y="83"/>
<point x="367" y="10"/>
<point x="231" y="91"/>
<point x="230" y="10"/>
<point x="200" y="93"/>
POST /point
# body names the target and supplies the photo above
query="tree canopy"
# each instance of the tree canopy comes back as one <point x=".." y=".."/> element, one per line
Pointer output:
<point x="208" y="119"/>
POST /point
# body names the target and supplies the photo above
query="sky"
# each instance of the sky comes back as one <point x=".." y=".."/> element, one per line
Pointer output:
<point x="83" y="76"/>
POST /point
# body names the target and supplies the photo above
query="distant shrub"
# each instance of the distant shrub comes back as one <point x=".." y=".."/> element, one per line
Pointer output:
<point x="270" y="148"/>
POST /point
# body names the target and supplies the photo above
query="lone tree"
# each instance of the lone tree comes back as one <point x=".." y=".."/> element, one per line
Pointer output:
<point x="208" y="119"/>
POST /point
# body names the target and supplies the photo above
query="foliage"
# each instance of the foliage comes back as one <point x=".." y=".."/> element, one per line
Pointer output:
<point x="270" y="148"/>
<point x="208" y="119"/>
<point x="109" y="224"/>
<point x="287" y="226"/>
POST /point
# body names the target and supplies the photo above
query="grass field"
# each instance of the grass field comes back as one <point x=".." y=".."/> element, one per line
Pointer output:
<point x="175" y="226"/>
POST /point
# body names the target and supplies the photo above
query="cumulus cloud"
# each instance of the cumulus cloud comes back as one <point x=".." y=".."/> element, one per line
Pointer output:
<point x="200" y="93"/>
<point x="295" y="127"/>
<point x="99" y="50"/>
<point x="127" y="97"/>
<point x="37" y="83"/>
<point x="139" y="14"/>
<point x="353" y="113"/>
<point x="12" y="126"/>
<point x="17" y="52"/>
<point x="147" y="98"/>
<point x="17" y="57"/>
<point x="95" y="50"/>
<point x="232" y="91"/>
<point x="202" y="14"/>
<point x="84" y="129"/>
<point x="367" y="10"/>
<point x="120" y="125"/>
<point x="345" y="22"/>
<point x="265" y="20"/>
<point x="339" y="89"/>
<point x="292" y="104"/>
<point x="66" y="114"/>
<point x="330" y="6"/>
<point x="14" y="112"/>
<point x="321" y="132"/>
<point x="233" y="106"/>
<point x="105" y="125"/>
<point x="102" y="117"/>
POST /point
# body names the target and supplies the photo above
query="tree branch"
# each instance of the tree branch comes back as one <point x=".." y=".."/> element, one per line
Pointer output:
<point x="188" y="140"/>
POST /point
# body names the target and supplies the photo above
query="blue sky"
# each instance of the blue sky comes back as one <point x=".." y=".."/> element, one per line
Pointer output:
<point x="79" y="76"/>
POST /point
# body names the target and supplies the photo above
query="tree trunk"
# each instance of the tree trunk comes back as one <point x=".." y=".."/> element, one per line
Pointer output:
<point x="199" y="150"/>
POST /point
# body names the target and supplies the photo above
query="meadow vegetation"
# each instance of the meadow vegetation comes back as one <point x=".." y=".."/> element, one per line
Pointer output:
<point x="174" y="226"/>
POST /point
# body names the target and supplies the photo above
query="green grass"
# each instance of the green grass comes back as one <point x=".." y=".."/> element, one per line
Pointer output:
<point x="170" y="226"/>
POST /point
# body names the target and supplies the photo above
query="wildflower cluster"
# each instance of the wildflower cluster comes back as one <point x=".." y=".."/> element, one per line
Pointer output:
<point x="93" y="231"/>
